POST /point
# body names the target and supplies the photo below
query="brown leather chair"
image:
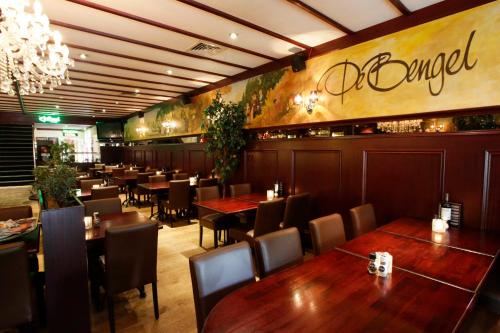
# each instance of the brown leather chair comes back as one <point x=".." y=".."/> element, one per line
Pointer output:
<point x="239" y="189"/>
<point x="142" y="178"/>
<point x="130" y="262"/>
<point x="178" y="199"/>
<point x="268" y="218"/>
<point x="15" y="213"/>
<point x="217" y="273"/>
<point x="278" y="250"/>
<point x="15" y="287"/>
<point x="86" y="185"/>
<point x="297" y="214"/>
<point x="207" y="182"/>
<point x="363" y="219"/>
<point x="156" y="199"/>
<point x="103" y="206"/>
<point x="326" y="233"/>
<point x="105" y="192"/>
<point x="180" y="176"/>
<point x="207" y="218"/>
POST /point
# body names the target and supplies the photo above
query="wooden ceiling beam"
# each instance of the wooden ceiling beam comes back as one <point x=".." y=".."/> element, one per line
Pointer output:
<point x="141" y="43"/>
<point x="144" y="72"/>
<point x="401" y="7"/>
<point x="149" y="61"/>
<point x="243" y="22"/>
<point x="316" y="13"/>
<point x="167" y="27"/>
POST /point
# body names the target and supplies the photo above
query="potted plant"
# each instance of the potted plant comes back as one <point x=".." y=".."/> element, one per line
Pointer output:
<point x="223" y="125"/>
<point x="56" y="184"/>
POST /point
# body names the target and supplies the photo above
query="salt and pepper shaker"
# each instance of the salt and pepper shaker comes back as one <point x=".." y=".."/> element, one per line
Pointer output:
<point x="372" y="267"/>
<point x="380" y="263"/>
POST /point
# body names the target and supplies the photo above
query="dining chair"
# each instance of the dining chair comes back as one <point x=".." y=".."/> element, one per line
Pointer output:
<point x="217" y="273"/>
<point x="363" y="219"/>
<point x="157" y="197"/>
<point x="239" y="189"/>
<point x="170" y="175"/>
<point x="115" y="180"/>
<point x="142" y="178"/>
<point x="278" y="250"/>
<point x="130" y="262"/>
<point x="326" y="233"/>
<point x="297" y="210"/>
<point x="16" y="307"/>
<point x="178" y="199"/>
<point x="105" y="192"/>
<point x="206" y="182"/>
<point x="180" y="176"/>
<point x="86" y="185"/>
<point x="268" y="218"/>
<point x="103" y="206"/>
<point x="207" y="218"/>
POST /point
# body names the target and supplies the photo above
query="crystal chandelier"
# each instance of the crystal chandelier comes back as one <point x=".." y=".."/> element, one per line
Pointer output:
<point x="31" y="54"/>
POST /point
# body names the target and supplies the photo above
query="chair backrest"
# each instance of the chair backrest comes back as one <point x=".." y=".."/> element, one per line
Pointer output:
<point x="217" y="273"/>
<point x="86" y="185"/>
<point x="16" y="212"/>
<point x="157" y="179"/>
<point x="180" y="176"/>
<point x="363" y="219"/>
<point x="326" y="233"/>
<point x="297" y="211"/>
<point x="170" y="175"/>
<point x="99" y="166"/>
<point x="105" y="192"/>
<point x="131" y="256"/>
<point x="15" y="288"/>
<point x="103" y="206"/>
<point x="239" y="189"/>
<point x="278" y="250"/>
<point x="206" y="193"/>
<point x="118" y="172"/>
<point x="131" y="173"/>
<point x="268" y="217"/>
<point x="206" y="182"/>
<point x="179" y="194"/>
<point x="143" y="177"/>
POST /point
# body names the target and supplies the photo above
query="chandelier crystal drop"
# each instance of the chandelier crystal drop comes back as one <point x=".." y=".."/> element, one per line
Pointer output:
<point x="30" y="52"/>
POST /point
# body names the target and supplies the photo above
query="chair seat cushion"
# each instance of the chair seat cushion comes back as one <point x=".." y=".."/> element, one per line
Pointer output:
<point x="217" y="221"/>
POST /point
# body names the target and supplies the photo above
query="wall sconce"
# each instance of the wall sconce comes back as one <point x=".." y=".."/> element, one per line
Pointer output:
<point x="169" y="125"/>
<point x="310" y="103"/>
<point x="141" y="130"/>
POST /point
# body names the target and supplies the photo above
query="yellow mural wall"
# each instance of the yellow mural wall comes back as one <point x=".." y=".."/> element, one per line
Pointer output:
<point x="450" y="63"/>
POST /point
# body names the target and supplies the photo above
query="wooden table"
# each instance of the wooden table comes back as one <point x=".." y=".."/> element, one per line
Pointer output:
<point x="252" y="197"/>
<point x="130" y="182"/>
<point x="227" y="205"/>
<point x="334" y="292"/>
<point x="84" y="195"/>
<point x="155" y="187"/>
<point x="114" y="220"/>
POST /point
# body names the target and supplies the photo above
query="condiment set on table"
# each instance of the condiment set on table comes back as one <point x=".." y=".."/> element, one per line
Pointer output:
<point x="91" y="221"/>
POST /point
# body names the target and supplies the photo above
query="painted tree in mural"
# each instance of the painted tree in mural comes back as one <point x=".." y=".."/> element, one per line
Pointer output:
<point x="223" y="126"/>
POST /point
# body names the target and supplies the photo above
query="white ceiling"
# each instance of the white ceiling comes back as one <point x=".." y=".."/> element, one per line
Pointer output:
<point x="131" y="44"/>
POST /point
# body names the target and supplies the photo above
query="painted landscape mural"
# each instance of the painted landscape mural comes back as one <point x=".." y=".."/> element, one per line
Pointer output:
<point x="450" y="63"/>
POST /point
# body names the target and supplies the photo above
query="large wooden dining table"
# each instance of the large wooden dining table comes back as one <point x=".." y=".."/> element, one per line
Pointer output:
<point x="433" y="285"/>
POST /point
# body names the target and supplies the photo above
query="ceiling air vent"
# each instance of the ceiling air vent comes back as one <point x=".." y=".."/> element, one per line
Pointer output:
<point x="206" y="48"/>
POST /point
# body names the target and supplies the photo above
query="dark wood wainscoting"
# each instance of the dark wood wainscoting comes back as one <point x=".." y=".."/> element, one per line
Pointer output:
<point x="402" y="175"/>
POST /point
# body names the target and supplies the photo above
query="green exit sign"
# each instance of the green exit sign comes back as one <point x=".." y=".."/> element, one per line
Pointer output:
<point x="49" y="119"/>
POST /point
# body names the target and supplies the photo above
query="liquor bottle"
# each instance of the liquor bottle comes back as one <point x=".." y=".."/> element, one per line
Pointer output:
<point x="445" y="211"/>
<point x="276" y="189"/>
<point x="280" y="190"/>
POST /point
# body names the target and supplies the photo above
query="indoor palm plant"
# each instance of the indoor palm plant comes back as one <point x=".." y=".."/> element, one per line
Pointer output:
<point x="223" y="125"/>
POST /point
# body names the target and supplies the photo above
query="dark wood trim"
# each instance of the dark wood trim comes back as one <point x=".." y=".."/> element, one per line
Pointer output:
<point x="238" y="20"/>
<point x="138" y="42"/>
<point x="167" y="27"/>
<point x="126" y="85"/>
<point x="139" y="71"/>
<point x="400" y="6"/>
<point x="132" y="96"/>
<point x="149" y="61"/>
<point x="427" y="14"/>
<point x="488" y="154"/>
<point x="319" y="15"/>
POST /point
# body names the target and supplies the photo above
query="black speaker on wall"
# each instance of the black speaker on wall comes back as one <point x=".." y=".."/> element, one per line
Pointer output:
<point x="299" y="62"/>
<point x="185" y="99"/>
<point x="140" y="114"/>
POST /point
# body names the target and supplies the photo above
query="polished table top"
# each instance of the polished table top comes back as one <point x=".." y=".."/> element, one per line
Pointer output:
<point x="254" y="197"/>
<point x="335" y="293"/>
<point x="158" y="186"/>
<point x="227" y="205"/>
<point x="114" y="220"/>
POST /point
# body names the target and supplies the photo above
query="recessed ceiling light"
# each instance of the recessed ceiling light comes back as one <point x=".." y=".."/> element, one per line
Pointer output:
<point x="233" y="35"/>
<point x="137" y="91"/>
<point x="93" y="116"/>
<point x="83" y="56"/>
<point x="117" y="103"/>
<point x="103" y="110"/>
<point x="169" y="72"/>
<point x="57" y="106"/>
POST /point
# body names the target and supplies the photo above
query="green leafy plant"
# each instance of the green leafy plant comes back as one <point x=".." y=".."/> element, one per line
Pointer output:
<point x="223" y="125"/>
<point x="477" y="122"/>
<point x="62" y="153"/>
<point x="57" y="183"/>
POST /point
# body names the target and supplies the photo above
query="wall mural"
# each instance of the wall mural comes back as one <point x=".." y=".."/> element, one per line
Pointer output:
<point x="450" y="63"/>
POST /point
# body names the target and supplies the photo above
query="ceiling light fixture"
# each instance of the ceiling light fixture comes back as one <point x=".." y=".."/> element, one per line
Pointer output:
<point x="137" y="91"/>
<point x="57" y="107"/>
<point x="31" y="54"/>
<point x="233" y="35"/>
<point x="83" y="56"/>
<point x="117" y="103"/>
<point x="103" y="110"/>
<point x="169" y="72"/>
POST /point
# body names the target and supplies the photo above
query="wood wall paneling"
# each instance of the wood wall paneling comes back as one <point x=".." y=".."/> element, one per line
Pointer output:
<point x="403" y="183"/>
<point x="177" y="161"/>
<point x="319" y="173"/>
<point x="197" y="162"/>
<point x="150" y="158"/>
<point x="139" y="157"/>
<point x="261" y="169"/>
<point x="491" y="192"/>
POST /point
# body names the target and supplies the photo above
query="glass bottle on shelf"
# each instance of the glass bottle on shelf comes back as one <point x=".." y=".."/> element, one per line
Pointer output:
<point x="445" y="208"/>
